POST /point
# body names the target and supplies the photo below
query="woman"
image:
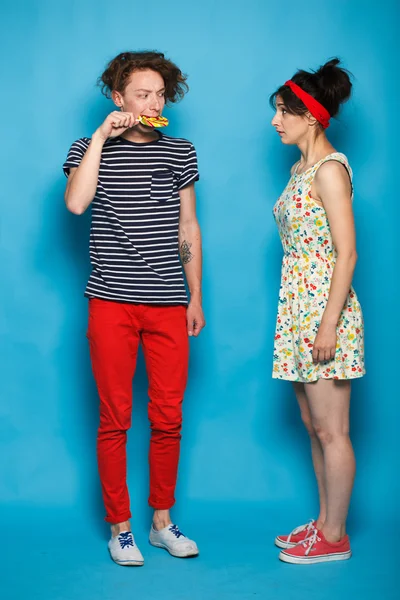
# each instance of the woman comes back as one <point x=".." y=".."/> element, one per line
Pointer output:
<point x="319" y="332"/>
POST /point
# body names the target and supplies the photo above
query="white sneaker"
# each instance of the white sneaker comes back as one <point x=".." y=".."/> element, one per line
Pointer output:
<point x="124" y="551"/>
<point x="174" y="541"/>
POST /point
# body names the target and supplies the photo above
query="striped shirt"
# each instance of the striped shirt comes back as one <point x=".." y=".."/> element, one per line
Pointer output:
<point x="134" y="247"/>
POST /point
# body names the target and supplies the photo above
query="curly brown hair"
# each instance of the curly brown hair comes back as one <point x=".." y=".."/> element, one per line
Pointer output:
<point x="116" y="76"/>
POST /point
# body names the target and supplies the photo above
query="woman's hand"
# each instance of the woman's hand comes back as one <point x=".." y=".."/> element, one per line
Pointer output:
<point x="324" y="347"/>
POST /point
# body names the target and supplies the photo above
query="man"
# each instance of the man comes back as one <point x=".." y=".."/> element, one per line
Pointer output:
<point x="140" y="184"/>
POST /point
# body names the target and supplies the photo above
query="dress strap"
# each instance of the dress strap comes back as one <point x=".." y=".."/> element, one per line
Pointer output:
<point x="339" y="157"/>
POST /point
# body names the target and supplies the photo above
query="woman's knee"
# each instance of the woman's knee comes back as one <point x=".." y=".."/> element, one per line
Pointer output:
<point x="308" y="424"/>
<point x="328" y="435"/>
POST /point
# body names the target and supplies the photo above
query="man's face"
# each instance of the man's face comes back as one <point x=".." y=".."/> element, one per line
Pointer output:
<point x="144" y="95"/>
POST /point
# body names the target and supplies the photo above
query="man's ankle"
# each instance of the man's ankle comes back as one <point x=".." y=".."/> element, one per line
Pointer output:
<point x="117" y="528"/>
<point x="161" y="519"/>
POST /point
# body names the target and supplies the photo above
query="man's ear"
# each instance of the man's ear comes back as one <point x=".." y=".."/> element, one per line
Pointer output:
<point x="117" y="99"/>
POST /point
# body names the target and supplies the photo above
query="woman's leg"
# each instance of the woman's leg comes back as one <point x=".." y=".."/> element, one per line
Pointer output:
<point x="329" y="403"/>
<point x="316" y="450"/>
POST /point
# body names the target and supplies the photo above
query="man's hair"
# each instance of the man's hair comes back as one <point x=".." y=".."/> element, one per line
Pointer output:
<point x="118" y="71"/>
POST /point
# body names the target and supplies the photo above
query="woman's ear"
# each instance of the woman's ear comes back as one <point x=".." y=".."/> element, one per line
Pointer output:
<point x="311" y="120"/>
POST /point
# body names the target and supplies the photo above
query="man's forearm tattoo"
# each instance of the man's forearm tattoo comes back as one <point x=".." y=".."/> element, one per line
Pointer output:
<point x="186" y="255"/>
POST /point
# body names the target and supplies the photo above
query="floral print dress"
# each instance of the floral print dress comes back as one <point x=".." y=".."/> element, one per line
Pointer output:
<point x="307" y="267"/>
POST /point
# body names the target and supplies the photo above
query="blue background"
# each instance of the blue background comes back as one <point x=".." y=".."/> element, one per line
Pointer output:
<point x="246" y="471"/>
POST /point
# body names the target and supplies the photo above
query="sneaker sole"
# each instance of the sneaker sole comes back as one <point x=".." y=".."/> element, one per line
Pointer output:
<point x="296" y="560"/>
<point x="127" y="563"/>
<point x="281" y="544"/>
<point x="172" y="553"/>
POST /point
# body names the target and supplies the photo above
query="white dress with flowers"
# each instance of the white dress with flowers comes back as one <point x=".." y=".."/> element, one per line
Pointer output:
<point x="307" y="267"/>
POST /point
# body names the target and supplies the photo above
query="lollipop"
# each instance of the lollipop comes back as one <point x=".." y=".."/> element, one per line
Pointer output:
<point x="153" y="121"/>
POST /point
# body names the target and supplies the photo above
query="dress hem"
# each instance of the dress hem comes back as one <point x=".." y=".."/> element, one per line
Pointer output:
<point x="300" y="380"/>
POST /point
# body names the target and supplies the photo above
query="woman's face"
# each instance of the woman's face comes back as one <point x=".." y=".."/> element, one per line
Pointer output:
<point x="290" y="128"/>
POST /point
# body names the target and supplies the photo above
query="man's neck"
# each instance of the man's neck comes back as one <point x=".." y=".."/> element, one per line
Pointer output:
<point x="133" y="135"/>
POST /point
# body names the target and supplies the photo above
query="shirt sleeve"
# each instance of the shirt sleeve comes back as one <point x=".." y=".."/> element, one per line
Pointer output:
<point x="190" y="172"/>
<point x="75" y="154"/>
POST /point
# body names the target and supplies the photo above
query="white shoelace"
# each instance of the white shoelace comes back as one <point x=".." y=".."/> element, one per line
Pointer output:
<point x="307" y="527"/>
<point x="310" y="541"/>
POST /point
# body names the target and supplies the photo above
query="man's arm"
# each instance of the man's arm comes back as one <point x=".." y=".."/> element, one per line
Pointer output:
<point x="191" y="257"/>
<point x="82" y="181"/>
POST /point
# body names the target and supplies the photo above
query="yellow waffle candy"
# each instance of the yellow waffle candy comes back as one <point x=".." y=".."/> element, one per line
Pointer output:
<point x="153" y="121"/>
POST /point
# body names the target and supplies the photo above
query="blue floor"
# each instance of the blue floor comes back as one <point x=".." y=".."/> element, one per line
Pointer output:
<point x="45" y="559"/>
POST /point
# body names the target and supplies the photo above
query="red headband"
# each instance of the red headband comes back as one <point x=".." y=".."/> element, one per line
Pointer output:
<point x="316" y="109"/>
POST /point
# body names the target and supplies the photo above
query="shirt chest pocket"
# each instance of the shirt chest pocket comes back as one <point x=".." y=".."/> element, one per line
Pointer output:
<point x="162" y="186"/>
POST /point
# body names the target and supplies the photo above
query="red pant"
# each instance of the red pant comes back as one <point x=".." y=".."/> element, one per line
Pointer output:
<point x="115" y="331"/>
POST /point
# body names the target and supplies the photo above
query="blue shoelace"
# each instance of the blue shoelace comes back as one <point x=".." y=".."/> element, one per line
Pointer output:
<point x="125" y="539"/>
<point x="175" y="530"/>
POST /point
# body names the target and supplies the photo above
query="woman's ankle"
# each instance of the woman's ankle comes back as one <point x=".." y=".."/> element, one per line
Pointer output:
<point x="333" y="533"/>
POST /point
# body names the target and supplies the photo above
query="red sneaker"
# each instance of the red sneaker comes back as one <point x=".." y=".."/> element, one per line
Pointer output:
<point x="298" y="535"/>
<point x="316" y="549"/>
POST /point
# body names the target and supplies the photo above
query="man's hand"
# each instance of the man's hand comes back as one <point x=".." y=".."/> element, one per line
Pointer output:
<point x="195" y="318"/>
<point x="115" y="124"/>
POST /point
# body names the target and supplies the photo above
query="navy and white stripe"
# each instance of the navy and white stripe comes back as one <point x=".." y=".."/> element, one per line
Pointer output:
<point x="134" y="247"/>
